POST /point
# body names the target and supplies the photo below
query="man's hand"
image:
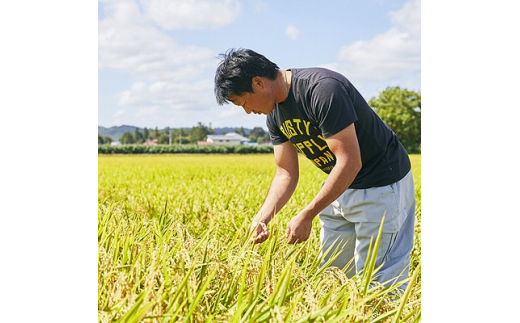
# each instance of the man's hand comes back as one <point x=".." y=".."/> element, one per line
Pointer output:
<point x="259" y="232"/>
<point x="298" y="229"/>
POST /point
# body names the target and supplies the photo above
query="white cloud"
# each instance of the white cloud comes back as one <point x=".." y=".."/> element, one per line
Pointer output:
<point x="168" y="77"/>
<point x="119" y="113"/>
<point x="292" y="32"/>
<point x="147" y="112"/>
<point x="166" y="103"/>
<point x="132" y="95"/>
<point x="231" y="115"/>
<point x="171" y="95"/>
<point x="391" y="58"/>
<point x="127" y="43"/>
<point x="191" y="14"/>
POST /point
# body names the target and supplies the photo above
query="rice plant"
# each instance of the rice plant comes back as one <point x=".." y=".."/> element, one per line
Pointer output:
<point x="173" y="246"/>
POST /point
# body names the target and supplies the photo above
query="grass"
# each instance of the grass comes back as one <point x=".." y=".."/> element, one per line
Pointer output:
<point x="173" y="247"/>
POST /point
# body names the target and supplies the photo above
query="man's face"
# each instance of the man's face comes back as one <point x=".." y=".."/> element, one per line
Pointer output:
<point x="259" y="101"/>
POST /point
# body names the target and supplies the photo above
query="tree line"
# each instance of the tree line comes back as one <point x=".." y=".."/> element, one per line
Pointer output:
<point x="399" y="108"/>
<point x="180" y="136"/>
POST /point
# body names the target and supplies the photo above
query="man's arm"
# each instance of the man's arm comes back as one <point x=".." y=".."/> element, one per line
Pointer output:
<point x="281" y="189"/>
<point x="345" y="147"/>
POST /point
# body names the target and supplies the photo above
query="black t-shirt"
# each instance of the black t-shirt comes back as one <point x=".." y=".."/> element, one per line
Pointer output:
<point x="321" y="103"/>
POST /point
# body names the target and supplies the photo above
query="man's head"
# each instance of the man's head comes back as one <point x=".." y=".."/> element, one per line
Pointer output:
<point x="235" y="73"/>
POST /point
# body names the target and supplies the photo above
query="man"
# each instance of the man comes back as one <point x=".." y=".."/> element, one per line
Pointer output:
<point x="320" y="114"/>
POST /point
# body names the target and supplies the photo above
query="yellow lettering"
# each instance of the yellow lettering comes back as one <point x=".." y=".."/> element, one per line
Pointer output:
<point x="300" y="146"/>
<point x="290" y="128"/>
<point x="321" y="148"/>
<point x="307" y="124"/>
<point x="317" y="162"/>
<point x="282" y="129"/>
<point x="329" y="155"/>
<point x="308" y="145"/>
<point x="297" y="121"/>
<point x="323" y="160"/>
<point x="297" y="148"/>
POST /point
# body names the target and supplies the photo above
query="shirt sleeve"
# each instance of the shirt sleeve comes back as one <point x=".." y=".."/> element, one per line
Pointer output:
<point x="275" y="134"/>
<point x="332" y="106"/>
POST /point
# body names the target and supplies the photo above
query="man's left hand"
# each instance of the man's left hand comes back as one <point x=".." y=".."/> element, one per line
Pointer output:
<point x="298" y="229"/>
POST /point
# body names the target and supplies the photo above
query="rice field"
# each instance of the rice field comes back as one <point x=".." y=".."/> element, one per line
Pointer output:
<point x="173" y="246"/>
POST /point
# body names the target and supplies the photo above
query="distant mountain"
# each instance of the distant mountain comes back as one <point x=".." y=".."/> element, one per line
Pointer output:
<point x="117" y="131"/>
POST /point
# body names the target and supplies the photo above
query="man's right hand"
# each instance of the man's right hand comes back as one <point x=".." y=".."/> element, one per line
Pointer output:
<point x="259" y="232"/>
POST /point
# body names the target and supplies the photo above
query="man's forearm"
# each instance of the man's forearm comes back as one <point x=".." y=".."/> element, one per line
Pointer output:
<point x="345" y="147"/>
<point x="337" y="182"/>
<point x="281" y="189"/>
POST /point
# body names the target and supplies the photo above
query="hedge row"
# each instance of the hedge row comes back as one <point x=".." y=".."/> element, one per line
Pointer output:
<point x="184" y="149"/>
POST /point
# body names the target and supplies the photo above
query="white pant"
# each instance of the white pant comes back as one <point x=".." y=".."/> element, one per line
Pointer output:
<point x="355" y="217"/>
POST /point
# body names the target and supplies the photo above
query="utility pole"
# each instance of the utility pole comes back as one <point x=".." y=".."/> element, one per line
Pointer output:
<point x="170" y="136"/>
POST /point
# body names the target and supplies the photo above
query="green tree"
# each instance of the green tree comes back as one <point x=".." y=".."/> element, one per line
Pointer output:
<point x="241" y="131"/>
<point x="104" y="140"/>
<point x="256" y="133"/>
<point x="179" y="136"/>
<point x="138" y="136"/>
<point x="264" y="138"/>
<point x="184" y="136"/>
<point x="166" y="133"/>
<point x="155" y="134"/>
<point x="127" y="138"/>
<point x="163" y="139"/>
<point x="146" y="134"/>
<point x="200" y="132"/>
<point x="400" y="109"/>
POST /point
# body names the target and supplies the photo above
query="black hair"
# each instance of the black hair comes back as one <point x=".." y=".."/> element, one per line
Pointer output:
<point x="236" y="71"/>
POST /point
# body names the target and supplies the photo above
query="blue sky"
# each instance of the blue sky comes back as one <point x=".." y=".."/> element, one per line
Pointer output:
<point x="157" y="58"/>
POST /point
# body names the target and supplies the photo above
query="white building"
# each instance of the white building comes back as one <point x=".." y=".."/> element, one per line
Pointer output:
<point x="231" y="138"/>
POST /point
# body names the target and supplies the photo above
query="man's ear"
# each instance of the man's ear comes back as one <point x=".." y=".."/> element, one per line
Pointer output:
<point x="257" y="81"/>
